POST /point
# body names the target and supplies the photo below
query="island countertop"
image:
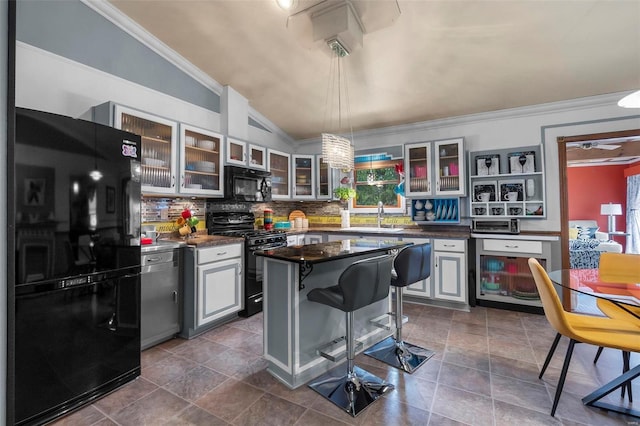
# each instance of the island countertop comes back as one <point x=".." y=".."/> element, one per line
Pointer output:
<point x="324" y="252"/>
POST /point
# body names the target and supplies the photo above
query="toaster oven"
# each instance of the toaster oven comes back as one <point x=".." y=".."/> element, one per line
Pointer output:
<point x="496" y="226"/>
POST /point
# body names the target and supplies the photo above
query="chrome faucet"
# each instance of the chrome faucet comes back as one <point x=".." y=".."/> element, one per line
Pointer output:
<point x="380" y="213"/>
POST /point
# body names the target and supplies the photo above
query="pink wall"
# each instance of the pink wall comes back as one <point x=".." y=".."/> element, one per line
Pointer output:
<point x="591" y="186"/>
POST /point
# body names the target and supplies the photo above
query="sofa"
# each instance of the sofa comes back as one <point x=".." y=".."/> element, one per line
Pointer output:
<point x="586" y="244"/>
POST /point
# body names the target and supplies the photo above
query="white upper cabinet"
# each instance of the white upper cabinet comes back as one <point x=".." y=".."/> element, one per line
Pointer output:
<point x="201" y="170"/>
<point x="159" y="156"/>
<point x="304" y="177"/>
<point x="279" y="166"/>
<point x="236" y="152"/>
<point x="324" y="179"/>
<point x="435" y="168"/>
<point x="257" y="157"/>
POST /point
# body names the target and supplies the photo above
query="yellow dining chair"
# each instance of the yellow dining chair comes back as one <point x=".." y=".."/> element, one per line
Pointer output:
<point x="624" y="268"/>
<point x="599" y="331"/>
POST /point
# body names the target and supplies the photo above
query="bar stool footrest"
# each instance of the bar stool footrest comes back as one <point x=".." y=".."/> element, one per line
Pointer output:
<point x="328" y="350"/>
<point x="383" y="323"/>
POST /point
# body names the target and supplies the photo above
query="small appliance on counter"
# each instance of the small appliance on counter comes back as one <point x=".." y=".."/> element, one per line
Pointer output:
<point x="495" y="226"/>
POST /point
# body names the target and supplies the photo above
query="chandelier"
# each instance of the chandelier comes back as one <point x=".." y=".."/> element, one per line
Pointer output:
<point x="337" y="150"/>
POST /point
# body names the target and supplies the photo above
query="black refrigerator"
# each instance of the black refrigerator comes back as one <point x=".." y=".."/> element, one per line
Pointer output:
<point x="74" y="271"/>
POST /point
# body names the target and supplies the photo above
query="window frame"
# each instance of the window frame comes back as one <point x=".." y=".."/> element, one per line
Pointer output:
<point x="377" y="164"/>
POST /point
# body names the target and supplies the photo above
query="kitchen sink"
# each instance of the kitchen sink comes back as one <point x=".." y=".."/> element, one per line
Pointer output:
<point x="372" y="230"/>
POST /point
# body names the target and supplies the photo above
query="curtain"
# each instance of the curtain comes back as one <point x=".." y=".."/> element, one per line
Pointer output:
<point x="633" y="214"/>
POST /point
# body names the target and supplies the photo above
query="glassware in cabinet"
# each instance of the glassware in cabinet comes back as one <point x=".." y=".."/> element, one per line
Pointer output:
<point x="158" y="150"/>
<point x="201" y="161"/>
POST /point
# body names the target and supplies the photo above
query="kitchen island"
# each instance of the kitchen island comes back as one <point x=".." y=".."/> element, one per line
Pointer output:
<point x="295" y="328"/>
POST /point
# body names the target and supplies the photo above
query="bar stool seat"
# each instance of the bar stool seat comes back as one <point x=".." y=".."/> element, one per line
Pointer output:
<point x="361" y="284"/>
<point x="412" y="264"/>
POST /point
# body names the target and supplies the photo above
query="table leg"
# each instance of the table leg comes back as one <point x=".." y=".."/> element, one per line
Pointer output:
<point x="593" y="398"/>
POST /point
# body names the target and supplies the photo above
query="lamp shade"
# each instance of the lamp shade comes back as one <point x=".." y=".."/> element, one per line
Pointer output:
<point x="337" y="151"/>
<point x="611" y="209"/>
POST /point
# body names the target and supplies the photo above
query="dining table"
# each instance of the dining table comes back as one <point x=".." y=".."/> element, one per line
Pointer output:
<point x="579" y="290"/>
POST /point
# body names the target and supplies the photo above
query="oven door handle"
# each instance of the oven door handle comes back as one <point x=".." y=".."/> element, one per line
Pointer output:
<point x="269" y="246"/>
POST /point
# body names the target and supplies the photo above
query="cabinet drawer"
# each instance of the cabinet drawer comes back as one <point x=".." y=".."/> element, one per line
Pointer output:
<point x="213" y="254"/>
<point x="448" y="245"/>
<point x="513" y="246"/>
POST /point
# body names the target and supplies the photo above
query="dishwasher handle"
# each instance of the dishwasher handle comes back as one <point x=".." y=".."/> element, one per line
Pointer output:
<point x="157" y="267"/>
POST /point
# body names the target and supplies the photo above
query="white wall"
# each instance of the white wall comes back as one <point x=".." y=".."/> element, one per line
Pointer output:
<point x="511" y="129"/>
<point x="49" y="82"/>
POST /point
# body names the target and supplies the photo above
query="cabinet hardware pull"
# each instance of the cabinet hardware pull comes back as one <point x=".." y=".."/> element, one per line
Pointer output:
<point x="258" y="300"/>
<point x="173" y="180"/>
<point x="448" y="245"/>
<point x="175" y="297"/>
<point x="508" y="246"/>
<point x="221" y="253"/>
<point x="153" y="259"/>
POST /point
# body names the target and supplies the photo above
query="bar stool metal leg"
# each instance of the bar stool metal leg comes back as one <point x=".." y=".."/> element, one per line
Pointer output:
<point x="355" y="390"/>
<point x="395" y="351"/>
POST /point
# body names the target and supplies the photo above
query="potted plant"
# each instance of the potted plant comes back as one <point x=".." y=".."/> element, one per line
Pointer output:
<point x="344" y="193"/>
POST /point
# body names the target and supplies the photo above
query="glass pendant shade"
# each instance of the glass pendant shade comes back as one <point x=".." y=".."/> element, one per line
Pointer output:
<point x="337" y="151"/>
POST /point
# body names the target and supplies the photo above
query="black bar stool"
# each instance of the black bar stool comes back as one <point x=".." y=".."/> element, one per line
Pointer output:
<point x="361" y="284"/>
<point x="412" y="264"/>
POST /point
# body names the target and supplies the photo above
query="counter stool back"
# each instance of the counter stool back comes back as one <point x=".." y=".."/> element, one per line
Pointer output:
<point x="412" y="264"/>
<point x="361" y="284"/>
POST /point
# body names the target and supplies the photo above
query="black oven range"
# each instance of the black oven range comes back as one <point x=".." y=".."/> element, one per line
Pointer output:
<point x="241" y="224"/>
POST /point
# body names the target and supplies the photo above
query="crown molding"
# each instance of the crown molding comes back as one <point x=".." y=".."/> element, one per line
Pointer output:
<point x="610" y="99"/>
<point x="122" y="21"/>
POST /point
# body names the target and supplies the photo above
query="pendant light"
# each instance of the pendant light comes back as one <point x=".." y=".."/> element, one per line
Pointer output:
<point x="337" y="150"/>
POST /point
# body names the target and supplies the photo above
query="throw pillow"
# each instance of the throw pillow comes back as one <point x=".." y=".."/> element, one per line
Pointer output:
<point x="573" y="233"/>
<point x="587" y="232"/>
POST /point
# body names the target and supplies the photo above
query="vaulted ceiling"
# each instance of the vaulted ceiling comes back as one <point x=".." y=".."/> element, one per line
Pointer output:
<point x="438" y="59"/>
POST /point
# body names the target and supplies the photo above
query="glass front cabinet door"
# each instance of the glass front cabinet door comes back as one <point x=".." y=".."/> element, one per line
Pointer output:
<point x="280" y="176"/>
<point x="324" y="187"/>
<point x="159" y="148"/>
<point x="417" y="169"/>
<point x="435" y="168"/>
<point x="449" y="167"/>
<point x="304" y="177"/>
<point x="201" y="171"/>
<point x="236" y="152"/>
<point x="257" y="157"/>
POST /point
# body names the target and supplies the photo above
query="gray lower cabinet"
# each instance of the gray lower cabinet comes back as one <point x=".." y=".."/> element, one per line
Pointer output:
<point x="213" y="287"/>
<point x="421" y="288"/>
<point x="449" y="270"/>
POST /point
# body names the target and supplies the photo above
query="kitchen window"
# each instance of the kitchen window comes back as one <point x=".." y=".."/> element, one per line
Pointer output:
<point x="380" y="187"/>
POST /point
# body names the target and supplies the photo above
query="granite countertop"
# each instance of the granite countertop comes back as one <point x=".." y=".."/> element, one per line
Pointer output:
<point x="324" y="252"/>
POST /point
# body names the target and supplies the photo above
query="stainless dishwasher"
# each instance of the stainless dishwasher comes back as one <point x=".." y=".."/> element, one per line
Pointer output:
<point x="161" y="294"/>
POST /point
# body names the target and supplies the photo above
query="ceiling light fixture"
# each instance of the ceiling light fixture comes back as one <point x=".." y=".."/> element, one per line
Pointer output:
<point x="338" y="150"/>
<point x="286" y="4"/>
<point x="630" y="101"/>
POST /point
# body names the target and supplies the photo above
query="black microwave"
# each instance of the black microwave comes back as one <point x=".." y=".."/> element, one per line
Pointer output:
<point x="243" y="184"/>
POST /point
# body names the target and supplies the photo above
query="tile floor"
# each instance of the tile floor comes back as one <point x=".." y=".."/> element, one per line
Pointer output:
<point x="485" y="372"/>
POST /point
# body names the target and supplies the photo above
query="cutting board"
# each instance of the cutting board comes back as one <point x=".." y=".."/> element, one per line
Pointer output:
<point x="297" y="214"/>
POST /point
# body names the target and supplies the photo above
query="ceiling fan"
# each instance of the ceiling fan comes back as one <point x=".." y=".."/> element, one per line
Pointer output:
<point x="592" y="145"/>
